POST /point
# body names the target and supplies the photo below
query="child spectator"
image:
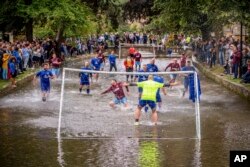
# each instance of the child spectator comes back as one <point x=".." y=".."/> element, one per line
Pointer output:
<point x="246" y="76"/>
<point x="13" y="71"/>
<point x="5" y="61"/>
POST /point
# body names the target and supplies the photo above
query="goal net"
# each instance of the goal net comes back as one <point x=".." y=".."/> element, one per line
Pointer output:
<point x="146" y="50"/>
<point x="84" y="115"/>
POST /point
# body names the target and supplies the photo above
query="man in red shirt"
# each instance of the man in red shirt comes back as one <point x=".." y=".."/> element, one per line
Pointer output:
<point x="102" y="59"/>
<point x="183" y="60"/>
<point x="137" y="58"/>
<point x="131" y="51"/>
<point x="174" y="66"/>
<point x="117" y="89"/>
<point x="236" y="56"/>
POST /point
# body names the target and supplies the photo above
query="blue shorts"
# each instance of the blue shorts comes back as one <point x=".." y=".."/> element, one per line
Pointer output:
<point x="84" y="83"/>
<point x="150" y="103"/>
<point x="173" y="76"/>
<point x="102" y="65"/>
<point x="55" y="71"/>
<point x="45" y="87"/>
<point x="140" y="90"/>
<point x="137" y="63"/>
<point x="158" y="97"/>
<point x="186" y="83"/>
<point x="120" y="101"/>
<point x="97" y="69"/>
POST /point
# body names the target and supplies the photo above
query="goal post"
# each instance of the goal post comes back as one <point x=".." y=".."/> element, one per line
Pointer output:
<point x="106" y="73"/>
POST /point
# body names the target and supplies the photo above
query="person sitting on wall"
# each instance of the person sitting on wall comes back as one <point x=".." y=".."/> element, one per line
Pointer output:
<point x="246" y="76"/>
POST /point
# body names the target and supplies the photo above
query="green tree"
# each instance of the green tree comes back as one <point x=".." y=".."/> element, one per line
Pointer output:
<point x="9" y="17"/>
<point x="187" y="15"/>
<point x="59" y="16"/>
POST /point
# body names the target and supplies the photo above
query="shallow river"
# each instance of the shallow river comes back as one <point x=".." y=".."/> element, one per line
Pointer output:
<point x="93" y="134"/>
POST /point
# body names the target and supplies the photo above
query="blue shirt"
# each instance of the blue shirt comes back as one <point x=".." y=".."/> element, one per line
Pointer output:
<point x="188" y="68"/>
<point x="44" y="76"/>
<point x="25" y="52"/>
<point x="17" y="56"/>
<point x="12" y="67"/>
<point x="112" y="59"/>
<point x="96" y="63"/>
<point x="152" y="68"/>
<point x="158" y="79"/>
<point x="142" y="77"/>
<point x="85" y="75"/>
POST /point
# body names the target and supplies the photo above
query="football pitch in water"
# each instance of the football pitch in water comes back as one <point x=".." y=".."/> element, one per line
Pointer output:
<point x="93" y="134"/>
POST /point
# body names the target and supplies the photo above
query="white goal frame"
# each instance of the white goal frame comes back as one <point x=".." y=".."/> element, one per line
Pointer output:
<point x="197" y="100"/>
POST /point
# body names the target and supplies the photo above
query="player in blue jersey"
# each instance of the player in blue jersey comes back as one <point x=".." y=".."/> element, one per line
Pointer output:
<point x="159" y="79"/>
<point x="188" y="67"/>
<point x="95" y="64"/>
<point x="85" y="78"/>
<point x="141" y="78"/>
<point x="112" y="61"/>
<point x="45" y="76"/>
<point x="151" y="67"/>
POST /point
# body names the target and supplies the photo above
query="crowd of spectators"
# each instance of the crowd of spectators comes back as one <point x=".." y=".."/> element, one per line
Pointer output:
<point x="17" y="57"/>
<point x="226" y="52"/>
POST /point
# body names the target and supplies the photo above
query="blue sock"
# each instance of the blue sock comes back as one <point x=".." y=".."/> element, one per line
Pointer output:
<point x="88" y="91"/>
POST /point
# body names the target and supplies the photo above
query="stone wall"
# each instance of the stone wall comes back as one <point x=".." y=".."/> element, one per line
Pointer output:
<point x="237" y="88"/>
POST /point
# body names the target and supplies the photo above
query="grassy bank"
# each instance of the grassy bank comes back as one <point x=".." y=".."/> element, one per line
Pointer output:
<point x="7" y="83"/>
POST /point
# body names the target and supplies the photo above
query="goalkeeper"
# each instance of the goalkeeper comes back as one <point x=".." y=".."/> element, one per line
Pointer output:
<point x="85" y="77"/>
<point x="148" y="97"/>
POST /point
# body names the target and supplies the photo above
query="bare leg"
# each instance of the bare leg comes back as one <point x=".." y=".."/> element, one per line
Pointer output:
<point x="154" y="117"/>
<point x="80" y="88"/>
<point x="137" y="113"/>
<point x="97" y="77"/>
<point x="112" y="104"/>
<point x="126" y="105"/>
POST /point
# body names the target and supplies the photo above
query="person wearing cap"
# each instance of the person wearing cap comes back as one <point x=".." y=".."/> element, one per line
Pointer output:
<point x="131" y="51"/>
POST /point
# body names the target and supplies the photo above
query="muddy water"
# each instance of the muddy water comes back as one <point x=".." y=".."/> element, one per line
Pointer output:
<point x="95" y="135"/>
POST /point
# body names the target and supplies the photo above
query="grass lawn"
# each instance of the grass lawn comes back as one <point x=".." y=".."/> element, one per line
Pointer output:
<point x="220" y="71"/>
<point x="5" y="83"/>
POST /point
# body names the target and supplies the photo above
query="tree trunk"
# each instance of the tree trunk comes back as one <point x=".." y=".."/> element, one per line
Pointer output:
<point x="205" y="33"/>
<point x="59" y="39"/>
<point x="29" y="30"/>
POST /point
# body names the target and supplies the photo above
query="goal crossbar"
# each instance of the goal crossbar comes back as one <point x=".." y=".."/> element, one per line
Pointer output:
<point x="129" y="73"/>
<point x="197" y="101"/>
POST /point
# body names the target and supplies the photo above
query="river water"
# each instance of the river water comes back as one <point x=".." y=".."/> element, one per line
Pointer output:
<point x="93" y="134"/>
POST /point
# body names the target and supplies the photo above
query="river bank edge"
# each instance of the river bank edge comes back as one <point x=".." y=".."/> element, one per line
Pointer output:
<point x="239" y="89"/>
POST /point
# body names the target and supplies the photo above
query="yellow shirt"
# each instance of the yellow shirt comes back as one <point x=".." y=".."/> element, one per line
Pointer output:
<point x="149" y="89"/>
<point x="5" y="59"/>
